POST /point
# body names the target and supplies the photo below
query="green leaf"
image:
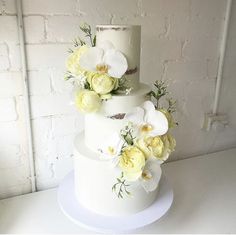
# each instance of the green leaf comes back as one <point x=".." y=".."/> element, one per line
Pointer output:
<point x="119" y="180"/>
<point x="94" y="40"/>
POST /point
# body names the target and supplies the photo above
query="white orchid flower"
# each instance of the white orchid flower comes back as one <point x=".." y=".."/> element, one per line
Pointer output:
<point x="104" y="59"/>
<point x="111" y="148"/>
<point x="148" y="119"/>
<point x="151" y="175"/>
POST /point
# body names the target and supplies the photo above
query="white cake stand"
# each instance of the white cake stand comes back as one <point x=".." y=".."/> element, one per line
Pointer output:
<point x="107" y="224"/>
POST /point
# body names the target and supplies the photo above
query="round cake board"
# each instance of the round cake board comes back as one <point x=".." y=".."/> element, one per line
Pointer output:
<point x="108" y="224"/>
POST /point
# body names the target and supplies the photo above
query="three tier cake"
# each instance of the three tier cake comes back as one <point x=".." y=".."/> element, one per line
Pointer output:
<point x="118" y="155"/>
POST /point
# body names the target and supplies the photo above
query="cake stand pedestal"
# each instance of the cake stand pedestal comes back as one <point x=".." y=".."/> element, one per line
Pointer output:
<point x="107" y="224"/>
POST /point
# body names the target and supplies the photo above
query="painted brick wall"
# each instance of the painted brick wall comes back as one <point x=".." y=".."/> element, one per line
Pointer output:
<point x="14" y="167"/>
<point x="180" y="43"/>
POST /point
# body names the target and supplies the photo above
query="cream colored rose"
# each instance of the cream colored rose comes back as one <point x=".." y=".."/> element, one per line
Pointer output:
<point x="87" y="101"/>
<point x="169" y="142"/>
<point x="169" y="146"/>
<point x="151" y="146"/>
<point x="102" y="83"/>
<point x="132" y="162"/>
<point x="171" y="121"/>
<point x="72" y="63"/>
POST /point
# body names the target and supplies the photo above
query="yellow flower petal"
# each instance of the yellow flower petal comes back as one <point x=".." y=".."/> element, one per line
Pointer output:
<point x="132" y="161"/>
<point x="151" y="146"/>
<point x="101" y="83"/>
<point x="87" y="101"/>
<point x="72" y="63"/>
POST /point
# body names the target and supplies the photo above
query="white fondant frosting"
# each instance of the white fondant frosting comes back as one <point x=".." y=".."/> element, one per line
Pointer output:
<point x="94" y="179"/>
<point x="125" y="38"/>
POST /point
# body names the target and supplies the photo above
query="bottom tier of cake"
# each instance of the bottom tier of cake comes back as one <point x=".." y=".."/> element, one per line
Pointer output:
<point x="94" y="179"/>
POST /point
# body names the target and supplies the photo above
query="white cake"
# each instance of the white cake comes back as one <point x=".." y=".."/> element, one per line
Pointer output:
<point x="95" y="177"/>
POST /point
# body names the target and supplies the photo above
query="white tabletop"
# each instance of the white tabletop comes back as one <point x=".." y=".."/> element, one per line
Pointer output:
<point x="204" y="202"/>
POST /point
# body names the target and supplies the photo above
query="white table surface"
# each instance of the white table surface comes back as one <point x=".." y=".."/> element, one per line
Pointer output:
<point x="204" y="202"/>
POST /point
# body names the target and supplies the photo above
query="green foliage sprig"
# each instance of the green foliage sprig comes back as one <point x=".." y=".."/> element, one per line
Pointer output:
<point x="123" y="85"/>
<point x="86" y="28"/>
<point x="77" y="42"/>
<point x="120" y="188"/>
<point x="68" y="75"/>
<point x="161" y="90"/>
<point x="127" y="135"/>
<point x="171" y="105"/>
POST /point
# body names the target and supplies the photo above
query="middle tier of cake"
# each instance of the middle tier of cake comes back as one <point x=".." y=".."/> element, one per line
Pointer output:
<point x="110" y="119"/>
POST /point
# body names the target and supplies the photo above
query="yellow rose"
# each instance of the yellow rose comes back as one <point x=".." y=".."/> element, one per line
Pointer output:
<point x="151" y="146"/>
<point x="87" y="101"/>
<point x="131" y="162"/>
<point x="72" y="63"/>
<point x="169" y="146"/>
<point x="171" y="121"/>
<point x="169" y="142"/>
<point x="101" y="83"/>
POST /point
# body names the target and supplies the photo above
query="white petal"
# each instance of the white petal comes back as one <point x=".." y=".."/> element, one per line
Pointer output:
<point x="117" y="63"/>
<point x="154" y="168"/>
<point x="114" y="141"/>
<point x="148" y="106"/>
<point x="106" y="45"/>
<point x="165" y="156"/>
<point x="159" y="122"/>
<point x="132" y="176"/>
<point x="136" y="116"/>
<point x="91" y="58"/>
<point x="115" y="161"/>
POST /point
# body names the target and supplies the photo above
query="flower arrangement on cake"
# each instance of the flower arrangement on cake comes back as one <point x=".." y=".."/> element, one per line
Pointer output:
<point x="96" y="72"/>
<point x="145" y="142"/>
<point x="139" y="149"/>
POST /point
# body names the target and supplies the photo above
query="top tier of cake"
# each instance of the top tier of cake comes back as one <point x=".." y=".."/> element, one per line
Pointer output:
<point x="126" y="39"/>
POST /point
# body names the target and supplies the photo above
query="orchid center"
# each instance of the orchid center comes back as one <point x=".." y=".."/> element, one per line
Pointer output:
<point x="102" y="68"/>
<point x="146" y="128"/>
<point x="146" y="175"/>
<point x="111" y="150"/>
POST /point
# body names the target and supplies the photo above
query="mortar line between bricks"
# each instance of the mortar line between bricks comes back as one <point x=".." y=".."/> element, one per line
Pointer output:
<point x="8" y="14"/>
<point x="54" y="14"/>
<point x="54" y="116"/>
<point x="48" y="43"/>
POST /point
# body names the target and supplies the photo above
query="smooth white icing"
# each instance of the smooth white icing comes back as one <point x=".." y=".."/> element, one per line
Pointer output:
<point x="99" y="126"/>
<point x="94" y="179"/>
<point x="125" y="38"/>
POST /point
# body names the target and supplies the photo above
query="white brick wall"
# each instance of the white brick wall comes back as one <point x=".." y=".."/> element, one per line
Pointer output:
<point x="14" y="165"/>
<point x="4" y="60"/>
<point x="180" y="43"/>
<point x="50" y="7"/>
<point x="8" y="108"/>
<point x="43" y="56"/>
<point x="34" y="29"/>
<point x="10" y="84"/>
<point x="10" y="34"/>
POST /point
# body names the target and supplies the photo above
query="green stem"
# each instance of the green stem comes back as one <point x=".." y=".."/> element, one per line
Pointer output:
<point x="91" y="40"/>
